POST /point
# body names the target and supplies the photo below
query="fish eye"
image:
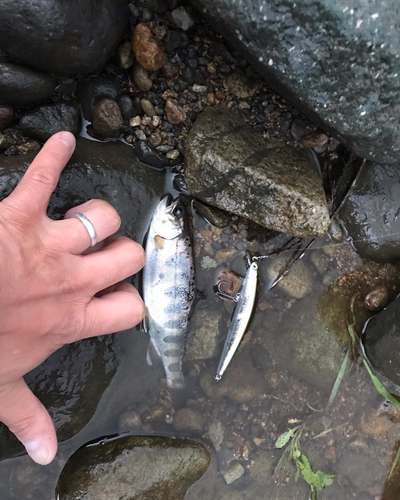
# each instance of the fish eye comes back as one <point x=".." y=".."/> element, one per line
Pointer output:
<point x="178" y="212"/>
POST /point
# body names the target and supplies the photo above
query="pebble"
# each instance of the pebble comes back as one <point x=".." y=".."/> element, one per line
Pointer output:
<point x="170" y="71"/>
<point x="182" y="18"/>
<point x="234" y="472"/>
<point x="141" y="78"/>
<point x="147" y="107"/>
<point x="211" y="98"/>
<point x="201" y="89"/>
<point x="173" y="155"/>
<point x="140" y="135"/>
<point x="135" y="122"/>
<point x="28" y="145"/>
<point x="124" y="55"/>
<point x="216" y="432"/>
<point x="241" y="86"/>
<point x="6" y="117"/>
<point x="314" y="139"/>
<point x="169" y="94"/>
<point x="155" y="139"/>
<point x="126" y="106"/>
<point x="187" y="419"/>
<point x="156" y="121"/>
<point x="146" y="49"/>
<point x="376" y="299"/>
<point x="175" y="113"/>
<point x="130" y="420"/>
<point x="3" y="141"/>
<point x="107" y="119"/>
<point x="149" y="156"/>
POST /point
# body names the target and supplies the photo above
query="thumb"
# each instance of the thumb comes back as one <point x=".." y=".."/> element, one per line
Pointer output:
<point x="28" y="419"/>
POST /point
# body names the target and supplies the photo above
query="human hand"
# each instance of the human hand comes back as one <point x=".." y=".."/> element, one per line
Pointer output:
<point x="49" y="288"/>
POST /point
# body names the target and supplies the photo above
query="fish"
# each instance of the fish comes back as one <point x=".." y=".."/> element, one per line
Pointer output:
<point x="169" y="288"/>
<point x="244" y="308"/>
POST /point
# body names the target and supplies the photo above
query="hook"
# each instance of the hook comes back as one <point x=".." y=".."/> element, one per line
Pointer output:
<point x="225" y="296"/>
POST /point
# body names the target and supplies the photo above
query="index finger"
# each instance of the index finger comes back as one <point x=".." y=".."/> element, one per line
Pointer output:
<point x="40" y="180"/>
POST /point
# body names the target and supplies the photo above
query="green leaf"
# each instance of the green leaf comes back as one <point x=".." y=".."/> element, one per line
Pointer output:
<point x="284" y="438"/>
<point x="313" y="495"/>
<point x="315" y="479"/>
<point x="339" y="378"/>
<point x="379" y="387"/>
<point x="326" y="479"/>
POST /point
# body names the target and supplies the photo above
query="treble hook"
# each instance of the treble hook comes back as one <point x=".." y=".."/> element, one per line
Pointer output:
<point x="225" y="296"/>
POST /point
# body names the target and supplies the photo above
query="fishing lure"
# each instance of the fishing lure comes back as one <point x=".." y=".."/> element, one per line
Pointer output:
<point x="245" y="300"/>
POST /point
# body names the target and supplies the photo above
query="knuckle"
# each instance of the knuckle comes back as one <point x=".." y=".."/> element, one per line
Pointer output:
<point x="42" y="177"/>
<point x="108" y="211"/>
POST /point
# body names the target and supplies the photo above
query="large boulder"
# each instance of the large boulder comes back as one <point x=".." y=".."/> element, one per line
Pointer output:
<point x="134" y="468"/>
<point x="233" y="168"/>
<point x="337" y="60"/>
<point x="74" y="37"/>
<point x="371" y="212"/>
<point x="21" y="86"/>
<point x="72" y="381"/>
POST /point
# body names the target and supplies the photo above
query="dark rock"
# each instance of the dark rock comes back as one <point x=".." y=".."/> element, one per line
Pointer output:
<point x="290" y="43"/>
<point x="58" y="37"/>
<point x="371" y="212"/>
<point x="172" y="40"/>
<point x="135" y="468"/>
<point x="382" y="341"/>
<point x="157" y="6"/>
<point x="170" y="71"/>
<point x="49" y="119"/>
<point x="66" y="86"/>
<point x="93" y="90"/>
<point x="126" y="106"/>
<point x="273" y="184"/>
<point x="22" y="86"/>
<point x="146" y="49"/>
<point x="213" y="215"/>
<point x="6" y="117"/>
<point x="107" y="119"/>
<point x="149" y="156"/>
<point x="71" y="382"/>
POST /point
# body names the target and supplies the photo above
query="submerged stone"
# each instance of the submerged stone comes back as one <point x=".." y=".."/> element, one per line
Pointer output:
<point x="72" y="381"/>
<point x="133" y="468"/>
<point x="273" y="184"/>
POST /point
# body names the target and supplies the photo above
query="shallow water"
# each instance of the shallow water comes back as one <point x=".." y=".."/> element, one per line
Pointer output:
<point x="273" y="383"/>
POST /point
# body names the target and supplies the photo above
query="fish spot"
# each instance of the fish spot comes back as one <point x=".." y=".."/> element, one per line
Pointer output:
<point x="173" y="324"/>
<point x="172" y="339"/>
<point x="161" y="276"/>
<point x="172" y="353"/>
<point x="172" y="308"/>
<point x="159" y="241"/>
<point x="174" y="367"/>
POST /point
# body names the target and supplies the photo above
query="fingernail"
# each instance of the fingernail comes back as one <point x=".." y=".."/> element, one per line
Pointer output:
<point x="38" y="452"/>
<point x="68" y="139"/>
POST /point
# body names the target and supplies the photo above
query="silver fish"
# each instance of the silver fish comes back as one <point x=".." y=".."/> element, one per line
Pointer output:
<point x="169" y="285"/>
<point x="244" y="308"/>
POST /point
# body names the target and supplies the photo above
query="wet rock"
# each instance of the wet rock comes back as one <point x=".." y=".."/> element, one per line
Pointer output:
<point x="28" y="145"/>
<point x="141" y="78"/>
<point x="49" y="119"/>
<point x="376" y="299"/>
<point x="60" y="37"/>
<point x="6" y="117"/>
<point x="382" y="341"/>
<point x="149" y="156"/>
<point x="204" y="335"/>
<point x="275" y="185"/>
<point x="135" y="122"/>
<point x="371" y="212"/>
<point x="147" y="107"/>
<point x="124" y="55"/>
<point x="361" y="470"/>
<point x="213" y="215"/>
<point x="3" y="141"/>
<point x="216" y="433"/>
<point x="233" y="472"/>
<point x="170" y="71"/>
<point x="187" y="419"/>
<point x="21" y="86"/>
<point x="93" y="90"/>
<point x="182" y="18"/>
<point x="296" y="284"/>
<point x="314" y="139"/>
<point x="138" y="468"/>
<point x="288" y="42"/>
<point x="175" y="113"/>
<point x="146" y="49"/>
<point x="107" y="119"/>
<point x="155" y="139"/>
<point x="126" y="107"/>
<point x="129" y="421"/>
<point x="241" y="86"/>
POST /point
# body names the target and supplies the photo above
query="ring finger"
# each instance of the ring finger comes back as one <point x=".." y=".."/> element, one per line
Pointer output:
<point x="103" y="217"/>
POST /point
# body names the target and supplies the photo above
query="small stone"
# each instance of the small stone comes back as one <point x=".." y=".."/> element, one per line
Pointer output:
<point x="376" y="299"/>
<point x="146" y="49"/>
<point x="125" y="104"/>
<point x="175" y="113"/>
<point x="241" y="86"/>
<point x="335" y="231"/>
<point x="155" y="139"/>
<point x="159" y="32"/>
<point x="211" y="67"/>
<point x="141" y="78"/>
<point x="3" y="141"/>
<point x="170" y="71"/>
<point x="216" y="432"/>
<point x="156" y="121"/>
<point x="173" y="155"/>
<point x="147" y="107"/>
<point x="6" y="117"/>
<point x="107" y="119"/>
<point x="234" y="472"/>
<point x="187" y="419"/>
<point x="148" y="155"/>
<point x="135" y="122"/>
<point x="130" y="420"/>
<point x="200" y="89"/>
<point x="146" y="120"/>
<point x="182" y="18"/>
<point x="141" y="135"/>
<point x="314" y="139"/>
<point x="29" y="145"/>
<point x="204" y="335"/>
<point x="169" y="94"/>
<point x="124" y="55"/>
<point x="211" y="98"/>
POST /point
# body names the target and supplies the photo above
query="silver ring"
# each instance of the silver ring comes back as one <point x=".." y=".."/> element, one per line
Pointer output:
<point x="89" y="227"/>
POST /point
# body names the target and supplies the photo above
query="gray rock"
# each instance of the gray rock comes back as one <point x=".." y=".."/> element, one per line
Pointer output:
<point x="124" y="55"/>
<point x="186" y="419"/>
<point x="182" y="18"/>
<point x="361" y="470"/>
<point x="370" y="213"/>
<point x="326" y="57"/>
<point x="21" y="86"/>
<point x="273" y="184"/>
<point x="241" y="86"/>
<point x="92" y="90"/>
<point x="130" y="421"/>
<point x="296" y="284"/>
<point x="382" y="341"/>
<point x="49" y="119"/>
<point x="107" y="119"/>
<point x="135" y="468"/>
<point x="216" y="433"/>
<point x="204" y="335"/>
<point x="213" y="215"/>
<point x="141" y="78"/>
<point x="126" y="106"/>
<point x="71" y="382"/>
<point x="234" y="472"/>
<point x="58" y="37"/>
